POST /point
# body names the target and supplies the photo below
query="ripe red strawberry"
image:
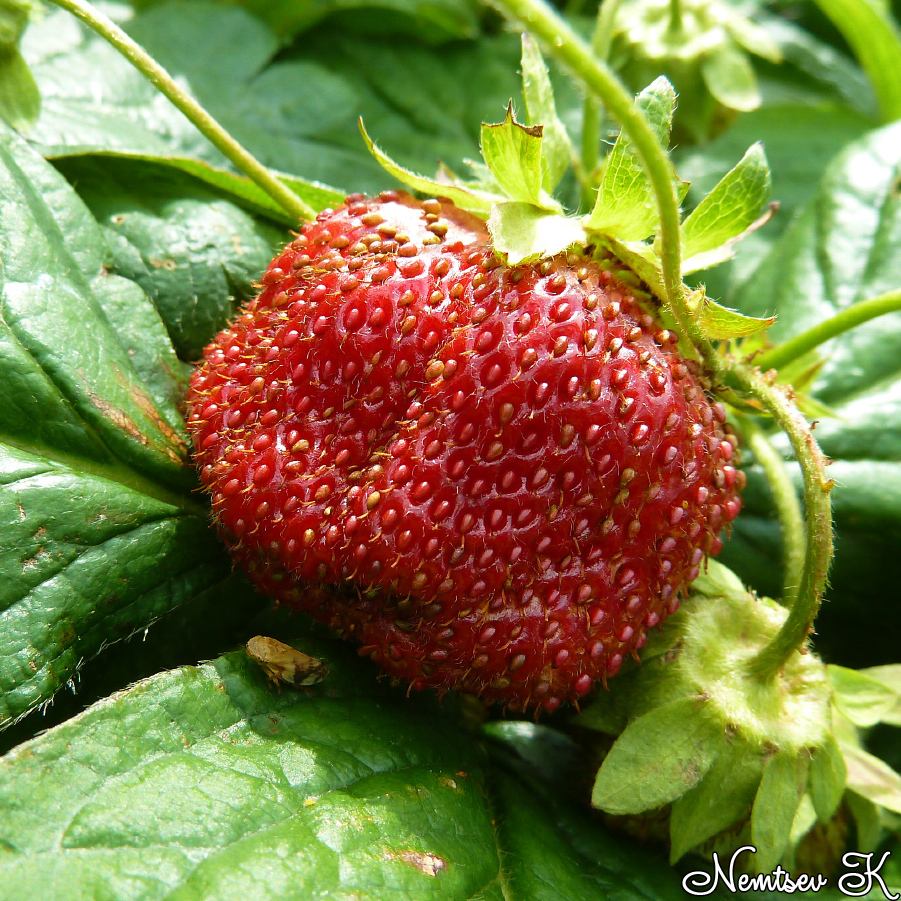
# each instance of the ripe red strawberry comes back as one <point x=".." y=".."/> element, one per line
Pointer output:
<point x="515" y="468"/>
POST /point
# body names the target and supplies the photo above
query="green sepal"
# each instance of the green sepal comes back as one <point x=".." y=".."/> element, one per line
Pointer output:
<point x="469" y="199"/>
<point x="828" y="777"/>
<point x="625" y="204"/>
<point x="729" y="76"/>
<point x="723" y="797"/>
<point x="719" y="322"/>
<point x="20" y="99"/>
<point x="14" y="15"/>
<point x="522" y="232"/>
<point x="538" y="94"/>
<point x="513" y="153"/>
<point x="658" y="758"/>
<point x="861" y="698"/>
<point x="731" y="208"/>
<point x="716" y="581"/>
<point x="775" y="806"/>
<point x="872" y="778"/>
<point x="804" y="820"/>
<point x="867" y="820"/>
<point x="638" y="257"/>
<point x="890" y="676"/>
<point x="753" y="38"/>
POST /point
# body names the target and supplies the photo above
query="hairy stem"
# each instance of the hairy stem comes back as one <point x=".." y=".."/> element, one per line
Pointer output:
<point x="842" y="322"/>
<point x="206" y="124"/>
<point x="593" y="114"/>
<point x="543" y="22"/>
<point x="788" y="507"/>
<point x="818" y="521"/>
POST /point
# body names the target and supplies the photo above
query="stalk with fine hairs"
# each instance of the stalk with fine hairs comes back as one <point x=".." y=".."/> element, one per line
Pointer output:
<point x="205" y="123"/>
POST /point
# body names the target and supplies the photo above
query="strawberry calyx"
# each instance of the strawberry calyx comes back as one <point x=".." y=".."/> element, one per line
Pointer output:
<point x="731" y="757"/>
<point x="512" y="189"/>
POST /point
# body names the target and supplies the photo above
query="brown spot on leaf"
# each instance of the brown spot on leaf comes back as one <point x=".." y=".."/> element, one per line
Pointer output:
<point x="430" y="864"/>
<point x="177" y="453"/>
<point x="35" y="561"/>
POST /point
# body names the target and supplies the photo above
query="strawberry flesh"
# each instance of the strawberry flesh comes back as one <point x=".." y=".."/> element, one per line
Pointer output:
<point x="494" y="479"/>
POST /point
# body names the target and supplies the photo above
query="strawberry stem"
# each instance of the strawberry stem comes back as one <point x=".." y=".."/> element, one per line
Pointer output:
<point x="593" y="114"/>
<point x="788" y="508"/>
<point x="163" y="81"/>
<point x="675" y="18"/>
<point x="546" y="25"/>
<point x="847" y="319"/>
<point x="818" y="520"/>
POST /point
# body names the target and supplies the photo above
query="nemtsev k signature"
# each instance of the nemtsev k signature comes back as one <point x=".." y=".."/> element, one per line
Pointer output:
<point x="860" y="878"/>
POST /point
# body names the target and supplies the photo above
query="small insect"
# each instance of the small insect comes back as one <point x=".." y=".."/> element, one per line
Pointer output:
<point x="283" y="663"/>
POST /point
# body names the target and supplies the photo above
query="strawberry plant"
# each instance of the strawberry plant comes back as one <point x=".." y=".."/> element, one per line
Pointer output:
<point x="273" y="332"/>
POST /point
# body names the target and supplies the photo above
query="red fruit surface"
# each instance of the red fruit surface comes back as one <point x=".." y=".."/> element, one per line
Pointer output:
<point x="494" y="479"/>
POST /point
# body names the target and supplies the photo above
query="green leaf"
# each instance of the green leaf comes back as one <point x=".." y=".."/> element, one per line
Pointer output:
<point x="523" y="231"/>
<point x="20" y="99"/>
<point x="625" y="207"/>
<point x="100" y="533"/>
<point x="861" y="698"/>
<point x="296" y="788"/>
<point x="832" y="73"/>
<point x="551" y="851"/>
<point x="538" y="94"/>
<point x="658" y="758"/>
<point x="49" y="313"/>
<point x="841" y="250"/>
<point x="828" y="776"/>
<point x="401" y="88"/>
<point x="145" y="339"/>
<point x="872" y="778"/>
<point x="513" y="154"/>
<point x="800" y="140"/>
<point x="202" y="782"/>
<point x="195" y="254"/>
<point x="777" y="800"/>
<point x="730" y="78"/>
<point x="876" y="41"/>
<point x="730" y="208"/>
<point x="432" y="21"/>
<point x="723" y="797"/>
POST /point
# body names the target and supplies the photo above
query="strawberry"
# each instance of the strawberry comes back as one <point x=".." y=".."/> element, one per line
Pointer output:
<point x="495" y="479"/>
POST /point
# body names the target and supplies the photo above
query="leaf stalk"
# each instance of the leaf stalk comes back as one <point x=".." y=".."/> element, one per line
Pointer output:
<point x="847" y="319"/>
<point x="205" y="123"/>
<point x="788" y="508"/>
<point x="593" y="112"/>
